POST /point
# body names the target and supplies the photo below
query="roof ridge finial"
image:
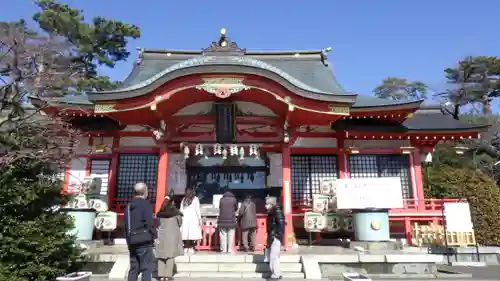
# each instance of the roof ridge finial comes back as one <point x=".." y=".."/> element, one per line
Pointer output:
<point x="139" y="55"/>
<point x="224" y="46"/>
<point x="324" y="55"/>
<point x="223" y="38"/>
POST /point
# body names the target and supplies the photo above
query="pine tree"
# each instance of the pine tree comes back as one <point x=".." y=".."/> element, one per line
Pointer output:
<point x="63" y="59"/>
<point x="34" y="243"/>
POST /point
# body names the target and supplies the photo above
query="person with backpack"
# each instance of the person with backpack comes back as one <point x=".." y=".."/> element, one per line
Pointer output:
<point x="140" y="234"/>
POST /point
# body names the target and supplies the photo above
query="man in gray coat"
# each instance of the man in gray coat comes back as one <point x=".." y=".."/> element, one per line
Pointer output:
<point x="247" y="216"/>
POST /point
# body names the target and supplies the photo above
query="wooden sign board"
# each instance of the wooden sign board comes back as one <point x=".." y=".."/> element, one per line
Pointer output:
<point x="369" y="193"/>
<point x="321" y="203"/>
<point x="457" y="217"/>
<point x="314" y="222"/>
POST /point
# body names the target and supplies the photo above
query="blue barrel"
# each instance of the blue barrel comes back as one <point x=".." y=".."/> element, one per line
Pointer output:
<point x="83" y="223"/>
<point x="371" y="225"/>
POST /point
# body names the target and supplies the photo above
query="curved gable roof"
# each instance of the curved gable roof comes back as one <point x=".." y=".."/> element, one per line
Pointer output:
<point x="153" y="72"/>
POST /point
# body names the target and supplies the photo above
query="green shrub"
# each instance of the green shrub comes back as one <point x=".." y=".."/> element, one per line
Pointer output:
<point x="480" y="190"/>
<point x="34" y="242"/>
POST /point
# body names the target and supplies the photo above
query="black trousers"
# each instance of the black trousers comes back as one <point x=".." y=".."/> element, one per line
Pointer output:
<point x="142" y="260"/>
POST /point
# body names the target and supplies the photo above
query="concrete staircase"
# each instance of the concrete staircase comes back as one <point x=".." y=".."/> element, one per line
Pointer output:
<point x="215" y="265"/>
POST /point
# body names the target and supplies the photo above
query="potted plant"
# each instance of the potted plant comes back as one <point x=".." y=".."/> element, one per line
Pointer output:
<point x="81" y="210"/>
<point x="76" y="276"/>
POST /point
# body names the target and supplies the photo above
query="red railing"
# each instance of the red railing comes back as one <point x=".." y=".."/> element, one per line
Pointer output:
<point x="410" y="206"/>
<point x="210" y="236"/>
<point x="424" y="207"/>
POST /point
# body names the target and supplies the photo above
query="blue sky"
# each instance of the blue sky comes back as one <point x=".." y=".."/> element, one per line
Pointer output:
<point x="370" y="39"/>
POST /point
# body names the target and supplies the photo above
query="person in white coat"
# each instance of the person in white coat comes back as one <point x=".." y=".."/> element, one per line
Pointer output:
<point x="191" y="222"/>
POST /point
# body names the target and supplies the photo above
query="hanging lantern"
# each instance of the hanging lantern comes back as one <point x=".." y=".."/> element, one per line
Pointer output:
<point x="224" y="153"/>
<point x="242" y="153"/>
<point x="233" y="150"/>
<point x="186" y="152"/>
<point x="198" y="150"/>
<point x="253" y="150"/>
<point x="217" y="149"/>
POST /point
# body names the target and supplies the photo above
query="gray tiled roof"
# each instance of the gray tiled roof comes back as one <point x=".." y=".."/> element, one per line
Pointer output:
<point x="308" y="71"/>
<point x="430" y="118"/>
<point x="427" y="118"/>
<point x="367" y="101"/>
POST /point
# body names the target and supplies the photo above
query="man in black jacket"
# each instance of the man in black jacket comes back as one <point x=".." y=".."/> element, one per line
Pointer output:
<point x="140" y="232"/>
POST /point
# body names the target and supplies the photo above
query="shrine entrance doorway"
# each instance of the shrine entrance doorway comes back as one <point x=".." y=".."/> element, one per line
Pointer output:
<point x="212" y="176"/>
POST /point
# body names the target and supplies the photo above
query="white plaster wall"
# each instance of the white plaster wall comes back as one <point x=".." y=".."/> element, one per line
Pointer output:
<point x="137" y="142"/>
<point x="99" y="168"/>
<point x="82" y="145"/>
<point x="199" y="108"/>
<point x="176" y="174"/>
<point x="275" y="169"/>
<point x="316" y="142"/>
<point x="76" y="174"/>
<point x="251" y="108"/>
<point x="377" y="143"/>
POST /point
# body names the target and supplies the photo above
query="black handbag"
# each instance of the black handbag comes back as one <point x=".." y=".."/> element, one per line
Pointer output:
<point x="140" y="237"/>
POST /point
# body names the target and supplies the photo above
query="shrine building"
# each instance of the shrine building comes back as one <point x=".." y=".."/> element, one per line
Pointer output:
<point x="254" y="122"/>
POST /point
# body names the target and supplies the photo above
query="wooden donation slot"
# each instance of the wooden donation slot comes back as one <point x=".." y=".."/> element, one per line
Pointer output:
<point x="434" y="235"/>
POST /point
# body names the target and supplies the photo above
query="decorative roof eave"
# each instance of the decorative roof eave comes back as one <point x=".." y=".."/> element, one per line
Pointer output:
<point x="63" y="108"/>
<point x="424" y="131"/>
<point x="227" y="64"/>
<point x="409" y="105"/>
<point x="421" y="138"/>
<point x="58" y="102"/>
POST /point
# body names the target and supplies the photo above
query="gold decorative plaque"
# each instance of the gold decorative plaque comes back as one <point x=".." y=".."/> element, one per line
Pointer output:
<point x="103" y="108"/>
<point x="223" y="87"/>
<point x="344" y="110"/>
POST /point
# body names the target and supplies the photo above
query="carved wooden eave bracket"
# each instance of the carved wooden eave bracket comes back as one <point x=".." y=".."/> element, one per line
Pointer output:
<point x="223" y="47"/>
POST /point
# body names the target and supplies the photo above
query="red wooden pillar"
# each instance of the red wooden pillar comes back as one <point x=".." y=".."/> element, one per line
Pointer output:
<point x="161" y="184"/>
<point x="287" y="196"/>
<point x="417" y="179"/>
<point x="113" y="173"/>
<point x="88" y="165"/>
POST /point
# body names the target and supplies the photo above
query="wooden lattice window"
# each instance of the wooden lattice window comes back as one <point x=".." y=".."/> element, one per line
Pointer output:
<point x="134" y="168"/>
<point x="307" y="173"/>
<point x="377" y="166"/>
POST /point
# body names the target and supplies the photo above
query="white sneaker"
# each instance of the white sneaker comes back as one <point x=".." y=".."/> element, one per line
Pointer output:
<point x="191" y="251"/>
<point x="186" y="251"/>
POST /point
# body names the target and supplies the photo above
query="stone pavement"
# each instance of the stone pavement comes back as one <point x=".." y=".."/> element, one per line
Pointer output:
<point x="491" y="272"/>
<point x="257" y="279"/>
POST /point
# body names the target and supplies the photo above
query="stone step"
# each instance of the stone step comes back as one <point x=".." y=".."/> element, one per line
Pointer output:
<point x="235" y="267"/>
<point x="201" y="258"/>
<point x="232" y="258"/>
<point x="286" y="275"/>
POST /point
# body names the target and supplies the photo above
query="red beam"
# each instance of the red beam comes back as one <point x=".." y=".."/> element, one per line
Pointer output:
<point x="260" y="120"/>
<point x="190" y="119"/>
<point x="119" y="133"/>
<point x="316" y="134"/>
<point x="196" y="119"/>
